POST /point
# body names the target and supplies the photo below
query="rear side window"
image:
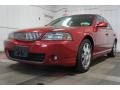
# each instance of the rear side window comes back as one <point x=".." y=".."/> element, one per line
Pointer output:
<point x="100" y="18"/>
<point x="109" y="26"/>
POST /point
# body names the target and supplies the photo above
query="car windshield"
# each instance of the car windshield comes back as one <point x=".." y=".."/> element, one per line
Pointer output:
<point x="75" y="20"/>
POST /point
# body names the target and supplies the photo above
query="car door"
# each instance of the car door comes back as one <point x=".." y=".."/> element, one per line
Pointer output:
<point x="101" y="37"/>
<point x="111" y="36"/>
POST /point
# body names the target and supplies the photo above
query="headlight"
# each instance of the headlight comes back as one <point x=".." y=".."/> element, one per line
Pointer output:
<point x="11" y="36"/>
<point x="57" y="36"/>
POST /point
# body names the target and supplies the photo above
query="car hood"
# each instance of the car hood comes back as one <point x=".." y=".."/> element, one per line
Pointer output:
<point x="51" y="28"/>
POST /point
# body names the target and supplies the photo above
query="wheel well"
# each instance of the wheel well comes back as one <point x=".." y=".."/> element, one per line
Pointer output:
<point x="116" y="40"/>
<point x="91" y="40"/>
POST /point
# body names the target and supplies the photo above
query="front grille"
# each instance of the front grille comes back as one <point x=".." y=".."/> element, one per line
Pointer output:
<point x="27" y="36"/>
<point x="31" y="57"/>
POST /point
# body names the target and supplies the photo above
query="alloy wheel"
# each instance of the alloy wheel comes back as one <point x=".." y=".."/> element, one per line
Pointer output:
<point x="86" y="55"/>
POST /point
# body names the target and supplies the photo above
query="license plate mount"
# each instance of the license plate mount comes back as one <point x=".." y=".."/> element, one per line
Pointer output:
<point x="20" y="51"/>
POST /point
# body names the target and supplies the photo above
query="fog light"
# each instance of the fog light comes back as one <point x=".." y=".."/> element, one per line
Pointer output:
<point x="55" y="57"/>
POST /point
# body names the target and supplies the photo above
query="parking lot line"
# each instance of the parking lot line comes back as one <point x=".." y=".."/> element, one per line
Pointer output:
<point x="105" y="77"/>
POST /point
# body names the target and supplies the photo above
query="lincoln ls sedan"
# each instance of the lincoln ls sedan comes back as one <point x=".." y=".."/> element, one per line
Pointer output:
<point x="70" y="41"/>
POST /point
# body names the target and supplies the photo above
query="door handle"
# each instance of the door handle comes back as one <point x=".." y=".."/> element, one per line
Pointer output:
<point x="107" y="34"/>
<point x="114" y="34"/>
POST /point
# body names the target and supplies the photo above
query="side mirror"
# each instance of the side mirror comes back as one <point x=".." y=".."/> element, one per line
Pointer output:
<point x="102" y="24"/>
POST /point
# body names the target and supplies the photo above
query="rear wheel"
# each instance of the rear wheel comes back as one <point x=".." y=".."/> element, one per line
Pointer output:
<point x="84" y="56"/>
<point x="113" y="51"/>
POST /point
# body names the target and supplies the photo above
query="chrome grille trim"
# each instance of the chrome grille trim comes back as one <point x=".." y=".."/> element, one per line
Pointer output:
<point x="27" y="36"/>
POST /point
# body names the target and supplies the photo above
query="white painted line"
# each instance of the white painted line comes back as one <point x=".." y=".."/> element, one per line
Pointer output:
<point x="6" y="60"/>
<point x="14" y="77"/>
<point x="105" y="77"/>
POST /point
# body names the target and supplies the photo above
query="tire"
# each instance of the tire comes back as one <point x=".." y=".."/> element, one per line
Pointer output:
<point x="84" y="56"/>
<point x="113" y="51"/>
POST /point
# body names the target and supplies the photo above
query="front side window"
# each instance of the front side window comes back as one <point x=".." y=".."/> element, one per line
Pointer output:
<point x="76" y="20"/>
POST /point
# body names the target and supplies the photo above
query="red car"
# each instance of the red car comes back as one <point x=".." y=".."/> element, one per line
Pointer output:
<point x="68" y="41"/>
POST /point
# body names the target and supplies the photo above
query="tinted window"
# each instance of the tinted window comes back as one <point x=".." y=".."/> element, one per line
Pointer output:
<point x="109" y="26"/>
<point x="76" y="20"/>
<point x="100" y="18"/>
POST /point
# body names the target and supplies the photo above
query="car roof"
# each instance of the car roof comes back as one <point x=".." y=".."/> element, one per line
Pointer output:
<point x="85" y="14"/>
<point x="82" y="14"/>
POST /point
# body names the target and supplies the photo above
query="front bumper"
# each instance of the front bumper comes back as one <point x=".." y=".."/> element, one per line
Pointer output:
<point x="64" y="50"/>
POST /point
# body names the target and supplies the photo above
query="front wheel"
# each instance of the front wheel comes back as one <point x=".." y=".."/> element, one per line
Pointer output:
<point x="84" y="56"/>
